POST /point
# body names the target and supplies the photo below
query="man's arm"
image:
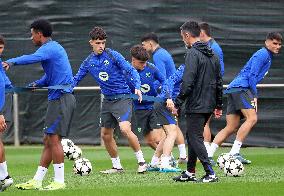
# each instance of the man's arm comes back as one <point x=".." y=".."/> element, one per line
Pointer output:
<point x="82" y="72"/>
<point x="258" y="61"/>
<point x="219" y="90"/>
<point x="130" y="70"/>
<point x="38" y="56"/>
<point x="188" y="79"/>
<point x="39" y="83"/>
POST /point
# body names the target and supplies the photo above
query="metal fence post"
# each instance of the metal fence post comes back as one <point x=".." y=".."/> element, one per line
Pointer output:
<point x="16" y="119"/>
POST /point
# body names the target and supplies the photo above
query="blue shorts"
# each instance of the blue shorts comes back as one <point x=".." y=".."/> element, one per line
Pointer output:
<point x="240" y="100"/>
<point x="164" y="116"/>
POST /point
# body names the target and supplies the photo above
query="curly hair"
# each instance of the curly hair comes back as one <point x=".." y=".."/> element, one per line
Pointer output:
<point x="139" y="53"/>
<point x="42" y="26"/>
<point x="98" y="33"/>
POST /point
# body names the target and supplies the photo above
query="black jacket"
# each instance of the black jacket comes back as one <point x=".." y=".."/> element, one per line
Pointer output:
<point x="201" y="88"/>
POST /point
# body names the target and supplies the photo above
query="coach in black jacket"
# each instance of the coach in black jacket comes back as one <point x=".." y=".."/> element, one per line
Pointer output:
<point x="201" y="91"/>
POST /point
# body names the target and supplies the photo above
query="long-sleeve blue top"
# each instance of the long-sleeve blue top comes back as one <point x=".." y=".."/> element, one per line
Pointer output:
<point x="253" y="71"/>
<point x="218" y="51"/>
<point x="108" y="71"/>
<point x="56" y="66"/>
<point x="8" y="83"/>
<point x="148" y="77"/>
<point x="172" y="84"/>
<point x="164" y="63"/>
<point x="2" y="86"/>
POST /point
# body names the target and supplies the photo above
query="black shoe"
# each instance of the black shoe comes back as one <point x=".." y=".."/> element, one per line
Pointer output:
<point x="185" y="178"/>
<point x="208" y="178"/>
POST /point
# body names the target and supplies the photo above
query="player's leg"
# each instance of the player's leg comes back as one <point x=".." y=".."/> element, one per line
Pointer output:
<point x="181" y="146"/>
<point x="5" y="179"/>
<point x="233" y="121"/>
<point x="155" y="161"/>
<point x="250" y="120"/>
<point x="154" y="137"/>
<point x="111" y="147"/>
<point x="57" y="128"/>
<point x="207" y="134"/>
<point x="133" y="141"/>
<point x="195" y="128"/>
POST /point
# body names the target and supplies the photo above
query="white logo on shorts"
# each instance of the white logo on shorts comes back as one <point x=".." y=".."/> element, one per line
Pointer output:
<point x="145" y="88"/>
<point x="103" y="76"/>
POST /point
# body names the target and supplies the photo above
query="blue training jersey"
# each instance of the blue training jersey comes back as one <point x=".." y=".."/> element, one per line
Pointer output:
<point x="172" y="84"/>
<point x="108" y="71"/>
<point x="55" y="63"/>
<point x="148" y="76"/>
<point x="164" y="63"/>
<point x="253" y="71"/>
<point x="2" y="86"/>
<point x="218" y="51"/>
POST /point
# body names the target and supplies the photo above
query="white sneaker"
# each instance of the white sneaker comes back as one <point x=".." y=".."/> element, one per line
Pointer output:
<point x="4" y="184"/>
<point x="112" y="171"/>
<point x="142" y="167"/>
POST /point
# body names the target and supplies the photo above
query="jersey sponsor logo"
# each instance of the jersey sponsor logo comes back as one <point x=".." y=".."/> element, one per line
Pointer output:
<point x="148" y="74"/>
<point x="103" y="76"/>
<point x="145" y="88"/>
<point x="106" y="62"/>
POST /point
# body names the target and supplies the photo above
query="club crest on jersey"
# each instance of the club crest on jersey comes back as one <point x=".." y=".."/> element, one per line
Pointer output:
<point x="148" y="74"/>
<point x="145" y="88"/>
<point x="106" y="62"/>
<point x="103" y="76"/>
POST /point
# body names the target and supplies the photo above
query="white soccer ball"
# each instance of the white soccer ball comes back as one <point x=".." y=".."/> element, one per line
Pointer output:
<point x="82" y="167"/>
<point x="68" y="151"/>
<point x="233" y="167"/>
<point x="222" y="159"/>
<point x="66" y="142"/>
<point x="75" y="154"/>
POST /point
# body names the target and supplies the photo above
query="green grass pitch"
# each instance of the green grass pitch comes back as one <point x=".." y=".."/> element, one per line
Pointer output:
<point x="265" y="176"/>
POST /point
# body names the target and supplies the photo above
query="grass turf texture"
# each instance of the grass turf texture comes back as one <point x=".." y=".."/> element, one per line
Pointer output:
<point x="265" y="176"/>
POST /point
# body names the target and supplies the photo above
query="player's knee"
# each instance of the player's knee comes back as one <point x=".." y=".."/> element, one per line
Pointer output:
<point x="126" y="131"/>
<point x="252" y="120"/>
<point x="106" y="136"/>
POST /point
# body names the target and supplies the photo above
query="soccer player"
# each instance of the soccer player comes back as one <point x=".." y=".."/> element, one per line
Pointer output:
<point x="201" y="91"/>
<point x="61" y="102"/>
<point x="165" y="64"/>
<point x="145" y="118"/>
<point x="106" y="66"/>
<point x="242" y="96"/>
<point x="5" y="179"/>
<point x="205" y="36"/>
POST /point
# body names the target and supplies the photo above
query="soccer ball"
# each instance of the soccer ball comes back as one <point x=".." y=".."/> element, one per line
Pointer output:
<point x="82" y="167"/>
<point x="233" y="167"/>
<point x="75" y="154"/>
<point x="68" y="151"/>
<point x="66" y="142"/>
<point x="222" y="159"/>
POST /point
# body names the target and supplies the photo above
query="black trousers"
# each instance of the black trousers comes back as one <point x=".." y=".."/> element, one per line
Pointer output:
<point x="195" y="123"/>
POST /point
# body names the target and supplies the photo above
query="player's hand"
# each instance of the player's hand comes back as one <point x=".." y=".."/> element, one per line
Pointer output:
<point x="218" y="113"/>
<point x="255" y="104"/>
<point x="3" y="125"/>
<point x="5" y="65"/>
<point x="175" y="112"/>
<point x="32" y="86"/>
<point x="138" y="92"/>
<point x="170" y="104"/>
